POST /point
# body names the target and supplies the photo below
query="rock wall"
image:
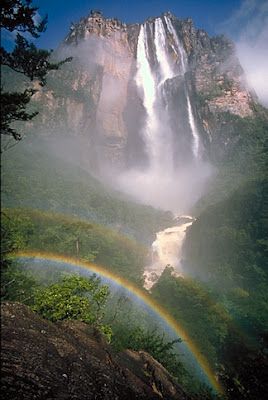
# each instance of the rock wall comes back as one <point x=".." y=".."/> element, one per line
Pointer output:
<point x="95" y="95"/>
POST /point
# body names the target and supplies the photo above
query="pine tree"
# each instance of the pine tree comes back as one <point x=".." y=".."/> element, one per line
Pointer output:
<point x="20" y="16"/>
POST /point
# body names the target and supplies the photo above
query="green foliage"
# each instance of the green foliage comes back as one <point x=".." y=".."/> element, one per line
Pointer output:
<point x="21" y="16"/>
<point x="74" y="298"/>
<point x="16" y="285"/>
<point x="244" y="368"/>
<point x="25" y="58"/>
<point x="227" y="248"/>
<point x="48" y="232"/>
<point x="14" y="233"/>
<point x="153" y="343"/>
<point x="245" y="155"/>
<point x="201" y="316"/>
<point x="13" y="106"/>
<point x="32" y="178"/>
<point x="235" y="233"/>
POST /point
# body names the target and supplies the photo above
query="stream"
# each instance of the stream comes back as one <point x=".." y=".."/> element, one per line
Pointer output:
<point x="166" y="250"/>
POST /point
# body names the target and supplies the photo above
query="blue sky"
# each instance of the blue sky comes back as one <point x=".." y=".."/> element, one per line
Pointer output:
<point x="244" y="21"/>
<point x="207" y="14"/>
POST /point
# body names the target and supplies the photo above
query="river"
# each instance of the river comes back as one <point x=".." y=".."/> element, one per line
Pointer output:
<point x="167" y="250"/>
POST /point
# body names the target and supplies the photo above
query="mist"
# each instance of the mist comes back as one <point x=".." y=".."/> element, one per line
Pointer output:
<point x="248" y="26"/>
<point x="177" y="192"/>
<point x="162" y="174"/>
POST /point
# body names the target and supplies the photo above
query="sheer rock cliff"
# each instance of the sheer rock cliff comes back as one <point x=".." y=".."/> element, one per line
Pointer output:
<point x="97" y="99"/>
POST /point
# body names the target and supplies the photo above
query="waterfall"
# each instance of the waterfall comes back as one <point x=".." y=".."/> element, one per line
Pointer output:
<point x="161" y="53"/>
<point x="150" y="85"/>
<point x="167" y="250"/>
<point x="147" y="86"/>
<point x="195" y="146"/>
<point x="184" y="65"/>
<point x="155" y="132"/>
<point x="171" y="179"/>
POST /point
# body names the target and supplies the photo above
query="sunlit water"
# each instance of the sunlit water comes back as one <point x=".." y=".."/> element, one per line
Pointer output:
<point x="167" y="250"/>
<point x="161" y="183"/>
<point x="183" y="69"/>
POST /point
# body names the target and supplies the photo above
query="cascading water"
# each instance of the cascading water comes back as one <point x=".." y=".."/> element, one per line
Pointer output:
<point x="183" y="69"/>
<point x="156" y="133"/>
<point x="167" y="250"/>
<point x="173" y="176"/>
<point x="166" y="71"/>
<point x="193" y="129"/>
<point x="147" y="86"/>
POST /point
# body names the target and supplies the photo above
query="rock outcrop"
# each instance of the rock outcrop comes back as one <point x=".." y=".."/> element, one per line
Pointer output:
<point x="95" y="97"/>
<point x="67" y="360"/>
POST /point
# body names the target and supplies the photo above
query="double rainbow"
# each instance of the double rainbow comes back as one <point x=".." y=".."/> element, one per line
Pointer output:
<point x="141" y="294"/>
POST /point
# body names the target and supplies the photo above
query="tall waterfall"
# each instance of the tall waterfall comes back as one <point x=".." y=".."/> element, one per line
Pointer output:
<point x="150" y="83"/>
<point x="156" y="132"/>
<point x="184" y="65"/>
<point x="172" y="178"/>
<point x="166" y="70"/>
<point x="147" y="86"/>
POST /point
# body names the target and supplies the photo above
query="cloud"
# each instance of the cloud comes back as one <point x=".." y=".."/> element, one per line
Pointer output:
<point x="248" y="26"/>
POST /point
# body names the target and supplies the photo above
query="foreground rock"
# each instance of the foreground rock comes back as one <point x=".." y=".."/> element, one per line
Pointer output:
<point x="41" y="360"/>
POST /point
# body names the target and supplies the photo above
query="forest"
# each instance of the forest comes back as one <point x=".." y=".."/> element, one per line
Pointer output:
<point x="55" y="205"/>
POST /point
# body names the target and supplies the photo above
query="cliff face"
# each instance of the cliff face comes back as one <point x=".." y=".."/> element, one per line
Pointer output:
<point x="42" y="360"/>
<point x="97" y="95"/>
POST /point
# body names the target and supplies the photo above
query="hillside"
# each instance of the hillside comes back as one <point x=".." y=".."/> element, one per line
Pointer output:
<point x="148" y="121"/>
<point x="42" y="360"/>
<point x="35" y="178"/>
<point x="49" y="232"/>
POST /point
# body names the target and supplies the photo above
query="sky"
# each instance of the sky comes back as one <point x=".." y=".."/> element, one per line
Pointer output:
<point x="207" y="14"/>
<point x="244" y="21"/>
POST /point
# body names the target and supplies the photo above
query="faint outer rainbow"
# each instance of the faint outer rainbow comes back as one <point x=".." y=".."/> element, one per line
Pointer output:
<point x="201" y="360"/>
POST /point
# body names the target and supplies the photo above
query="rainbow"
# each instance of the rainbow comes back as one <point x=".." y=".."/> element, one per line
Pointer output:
<point x="141" y="294"/>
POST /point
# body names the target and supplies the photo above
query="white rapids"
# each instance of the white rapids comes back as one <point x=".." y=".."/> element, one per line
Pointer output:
<point x="167" y="250"/>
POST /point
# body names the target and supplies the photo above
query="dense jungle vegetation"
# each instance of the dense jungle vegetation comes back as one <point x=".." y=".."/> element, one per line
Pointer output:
<point x="33" y="178"/>
<point x="222" y="303"/>
<point x="48" y="232"/>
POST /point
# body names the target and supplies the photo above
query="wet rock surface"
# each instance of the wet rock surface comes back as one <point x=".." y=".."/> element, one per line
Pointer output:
<point x="96" y="89"/>
<point x="68" y="360"/>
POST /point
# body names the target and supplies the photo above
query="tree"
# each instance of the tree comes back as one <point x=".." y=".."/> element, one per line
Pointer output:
<point x="21" y="17"/>
<point x="74" y="298"/>
<point x="17" y="285"/>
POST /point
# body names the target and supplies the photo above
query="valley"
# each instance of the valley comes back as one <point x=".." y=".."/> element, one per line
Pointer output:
<point x="134" y="216"/>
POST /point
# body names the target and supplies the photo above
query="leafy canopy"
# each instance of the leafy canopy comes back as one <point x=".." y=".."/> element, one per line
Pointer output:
<point x="74" y="298"/>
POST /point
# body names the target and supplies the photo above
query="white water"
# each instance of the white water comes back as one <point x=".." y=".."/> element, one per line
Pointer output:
<point x="161" y="183"/>
<point x="151" y="75"/>
<point x="195" y="146"/>
<point x="166" y="250"/>
<point x="166" y="71"/>
<point x="184" y="66"/>
<point x="150" y="84"/>
<point x="147" y="87"/>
